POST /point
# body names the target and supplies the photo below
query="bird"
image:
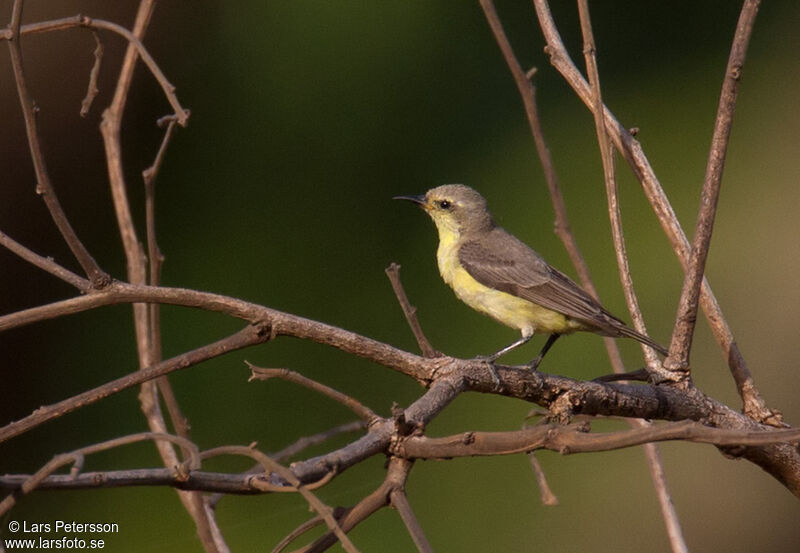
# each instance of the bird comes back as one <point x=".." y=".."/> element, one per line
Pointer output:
<point x="495" y="273"/>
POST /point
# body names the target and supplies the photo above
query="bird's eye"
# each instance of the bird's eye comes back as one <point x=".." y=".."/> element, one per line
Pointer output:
<point x="444" y="204"/>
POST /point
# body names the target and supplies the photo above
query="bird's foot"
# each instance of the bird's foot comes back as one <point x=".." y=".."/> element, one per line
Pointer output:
<point x="489" y="360"/>
<point x="534" y="364"/>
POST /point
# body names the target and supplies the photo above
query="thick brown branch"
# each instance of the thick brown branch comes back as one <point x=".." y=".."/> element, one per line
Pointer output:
<point x="562" y="439"/>
<point x="448" y="377"/>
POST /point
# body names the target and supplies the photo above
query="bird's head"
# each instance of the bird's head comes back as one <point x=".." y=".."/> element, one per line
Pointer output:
<point x="455" y="209"/>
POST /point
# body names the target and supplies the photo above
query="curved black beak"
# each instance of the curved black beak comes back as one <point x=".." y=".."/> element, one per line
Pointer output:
<point x="419" y="200"/>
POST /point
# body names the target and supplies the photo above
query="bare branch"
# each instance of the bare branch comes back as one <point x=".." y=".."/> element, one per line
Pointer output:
<point x="92" y="90"/>
<point x="754" y="405"/>
<point x="668" y="512"/>
<point x="338" y="513"/>
<point x="78" y="21"/>
<point x="293" y="449"/>
<point x="399" y="500"/>
<point x="561" y="226"/>
<point x="678" y="360"/>
<point x="44" y="186"/>
<point x="528" y="93"/>
<point x="245" y="337"/>
<point x="272" y="466"/>
<point x="447" y="376"/>
<point x="307" y="441"/>
<point x="610" y="178"/>
<point x="76" y="457"/>
<point x="410" y="312"/>
<point x="545" y="493"/>
<point x="396" y="475"/>
<point x="45" y="263"/>
<point x="575" y="438"/>
<point x="362" y="411"/>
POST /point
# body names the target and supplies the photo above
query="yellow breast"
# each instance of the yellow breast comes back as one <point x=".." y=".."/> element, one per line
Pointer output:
<point x="505" y="308"/>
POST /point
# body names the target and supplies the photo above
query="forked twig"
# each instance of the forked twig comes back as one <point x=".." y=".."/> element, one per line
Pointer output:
<point x="396" y="475"/>
<point x="76" y="458"/>
<point x="44" y="186"/>
<point x="561" y="227"/>
<point x="270" y="465"/>
<point x="754" y="405"/>
<point x="528" y="93"/>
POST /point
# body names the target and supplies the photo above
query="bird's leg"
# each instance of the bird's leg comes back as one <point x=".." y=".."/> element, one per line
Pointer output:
<point x="499" y="353"/>
<point x="533" y="365"/>
<point x="490" y="359"/>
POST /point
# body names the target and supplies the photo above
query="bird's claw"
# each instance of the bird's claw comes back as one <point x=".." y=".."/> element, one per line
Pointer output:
<point x="489" y="360"/>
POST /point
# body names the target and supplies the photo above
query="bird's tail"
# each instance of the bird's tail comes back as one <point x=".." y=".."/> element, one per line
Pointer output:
<point x="630" y="333"/>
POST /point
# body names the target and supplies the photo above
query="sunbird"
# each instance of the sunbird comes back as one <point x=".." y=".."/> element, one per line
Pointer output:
<point x="498" y="275"/>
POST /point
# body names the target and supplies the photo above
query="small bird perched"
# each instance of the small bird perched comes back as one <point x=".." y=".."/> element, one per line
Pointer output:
<point x="495" y="273"/>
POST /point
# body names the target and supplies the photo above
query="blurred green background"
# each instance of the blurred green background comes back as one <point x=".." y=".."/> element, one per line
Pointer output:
<point x="307" y="117"/>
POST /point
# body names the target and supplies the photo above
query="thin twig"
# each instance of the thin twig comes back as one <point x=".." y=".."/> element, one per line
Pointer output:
<point x="754" y="405"/>
<point x="668" y="512"/>
<point x="528" y="93"/>
<point x="546" y="494"/>
<point x="245" y="337"/>
<point x="362" y="411"/>
<point x="76" y="458"/>
<point x="156" y="261"/>
<point x="399" y="500"/>
<point x="148" y="348"/>
<point x="678" y="360"/>
<point x="610" y="178"/>
<point x="657" y="474"/>
<point x="45" y="263"/>
<point x="307" y="441"/>
<point x="338" y="513"/>
<point x="410" y="312"/>
<point x="296" y="447"/>
<point x="44" y="186"/>
<point x="273" y="466"/>
<point x="561" y="225"/>
<point x="79" y="21"/>
<point x="92" y="91"/>
<point x="396" y="475"/>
